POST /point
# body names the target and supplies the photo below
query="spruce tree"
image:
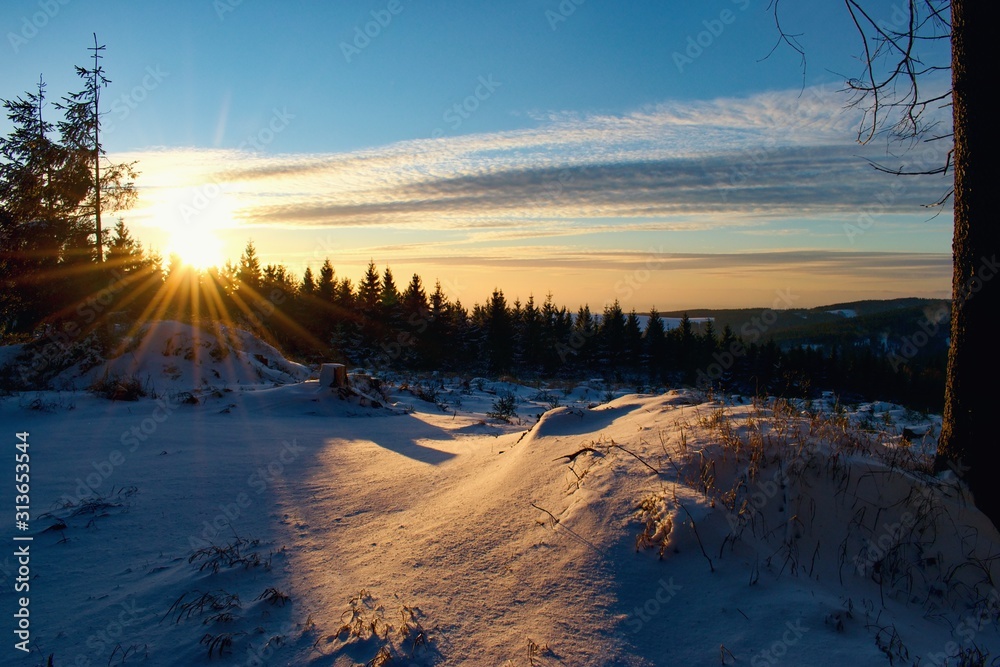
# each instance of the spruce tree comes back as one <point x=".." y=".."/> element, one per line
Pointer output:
<point x="530" y="335"/>
<point x="655" y="338"/>
<point x="249" y="273"/>
<point x="370" y="291"/>
<point x="110" y="187"/>
<point x="613" y="336"/>
<point x="499" y="334"/>
<point x="34" y="215"/>
<point x="308" y="285"/>
<point x="633" y="340"/>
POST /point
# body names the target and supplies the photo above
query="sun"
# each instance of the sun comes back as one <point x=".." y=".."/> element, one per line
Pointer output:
<point x="200" y="250"/>
<point x="192" y="219"/>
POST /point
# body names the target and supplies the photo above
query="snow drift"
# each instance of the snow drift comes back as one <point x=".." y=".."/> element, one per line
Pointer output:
<point x="294" y="524"/>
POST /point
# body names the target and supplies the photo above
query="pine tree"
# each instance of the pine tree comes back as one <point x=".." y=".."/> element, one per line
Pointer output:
<point x="33" y="216"/>
<point x="327" y="283"/>
<point x="530" y="335"/>
<point x="613" y="335"/>
<point x="548" y="354"/>
<point x="32" y="185"/>
<point x="345" y="297"/>
<point x="655" y="338"/>
<point x="707" y="343"/>
<point x="687" y="348"/>
<point x="370" y="291"/>
<point x="633" y="340"/>
<point x="582" y="341"/>
<point x="499" y="334"/>
<point x="308" y="285"/>
<point x="440" y="335"/>
<point x="414" y="299"/>
<point x="277" y="282"/>
<point x="125" y="254"/>
<point x="110" y="187"/>
<point x="389" y="296"/>
<point x="249" y="273"/>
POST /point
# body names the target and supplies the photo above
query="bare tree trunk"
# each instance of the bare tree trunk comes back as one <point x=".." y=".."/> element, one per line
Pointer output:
<point x="97" y="186"/>
<point x="970" y="407"/>
<point x="97" y="82"/>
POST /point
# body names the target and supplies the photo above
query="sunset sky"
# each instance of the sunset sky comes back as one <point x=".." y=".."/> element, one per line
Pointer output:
<point x="644" y="151"/>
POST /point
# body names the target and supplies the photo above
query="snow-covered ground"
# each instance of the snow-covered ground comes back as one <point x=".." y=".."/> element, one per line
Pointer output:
<point x="291" y="524"/>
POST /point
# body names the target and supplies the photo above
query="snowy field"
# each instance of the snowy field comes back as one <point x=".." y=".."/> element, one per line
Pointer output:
<point x="242" y="514"/>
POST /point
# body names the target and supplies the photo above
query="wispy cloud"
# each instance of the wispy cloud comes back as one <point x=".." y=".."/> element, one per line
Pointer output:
<point x="861" y="265"/>
<point x="781" y="154"/>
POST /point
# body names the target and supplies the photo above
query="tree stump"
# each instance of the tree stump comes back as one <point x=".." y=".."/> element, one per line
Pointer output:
<point x="333" y="375"/>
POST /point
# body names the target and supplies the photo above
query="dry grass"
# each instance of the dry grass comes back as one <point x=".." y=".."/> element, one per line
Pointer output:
<point x="658" y="524"/>
<point x="219" y="606"/>
<point x="393" y="636"/>
<point x="781" y="471"/>
<point x="235" y="553"/>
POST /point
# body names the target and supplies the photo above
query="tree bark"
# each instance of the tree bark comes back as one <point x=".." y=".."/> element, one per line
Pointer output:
<point x="974" y="356"/>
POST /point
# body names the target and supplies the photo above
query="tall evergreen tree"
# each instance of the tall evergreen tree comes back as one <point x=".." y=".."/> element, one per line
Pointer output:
<point x="35" y="205"/>
<point x="499" y="334"/>
<point x="414" y="300"/>
<point x="633" y="340"/>
<point x="110" y="187"/>
<point x="686" y="342"/>
<point x="370" y="291"/>
<point x="655" y="338"/>
<point x="530" y="335"/>
<point x="613" y="335"/>
<point x="583" y="340"/>
<point x="390" y="311"/>
<point x="249" y="273"/>
<point x="327" y="283"/>
<point x="308" y="285"/>
<point x="125" y="253"/>
<point x="345" y="298"/>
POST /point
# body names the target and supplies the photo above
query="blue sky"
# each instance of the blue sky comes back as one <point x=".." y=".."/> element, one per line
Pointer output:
<point x="535" y="145"/>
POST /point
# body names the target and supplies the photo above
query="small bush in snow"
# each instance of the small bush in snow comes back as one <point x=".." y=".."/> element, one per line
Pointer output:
<point x="504" y="406"/>
<point x="548" y="398"/>
<point x="427" y="393"/>
<point x="119" y="388"/>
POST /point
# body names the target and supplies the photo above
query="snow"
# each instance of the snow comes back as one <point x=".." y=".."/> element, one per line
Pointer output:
<point x="176" y="356"/>
<point x="844" y="312"/>
<point x="801" y="533"/>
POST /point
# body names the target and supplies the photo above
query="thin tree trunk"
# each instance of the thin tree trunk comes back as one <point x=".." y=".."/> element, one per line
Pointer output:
<point x="969" y="429"/>
<point x="98" y="78"/>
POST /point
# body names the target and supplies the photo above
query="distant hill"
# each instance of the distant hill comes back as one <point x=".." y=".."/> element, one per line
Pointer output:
<point x="850" y="323"/>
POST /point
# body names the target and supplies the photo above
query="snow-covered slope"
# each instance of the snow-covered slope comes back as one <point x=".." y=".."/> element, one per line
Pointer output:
<point x="284" y="525"/>
<point x="176" y="356"/>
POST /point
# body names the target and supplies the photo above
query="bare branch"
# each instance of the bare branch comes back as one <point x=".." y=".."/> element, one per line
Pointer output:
<point x="787" y="38"/>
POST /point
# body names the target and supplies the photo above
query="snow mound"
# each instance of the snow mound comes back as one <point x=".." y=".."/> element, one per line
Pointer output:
<point x="176" y="356"/>
<point x="292" y="525"/>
